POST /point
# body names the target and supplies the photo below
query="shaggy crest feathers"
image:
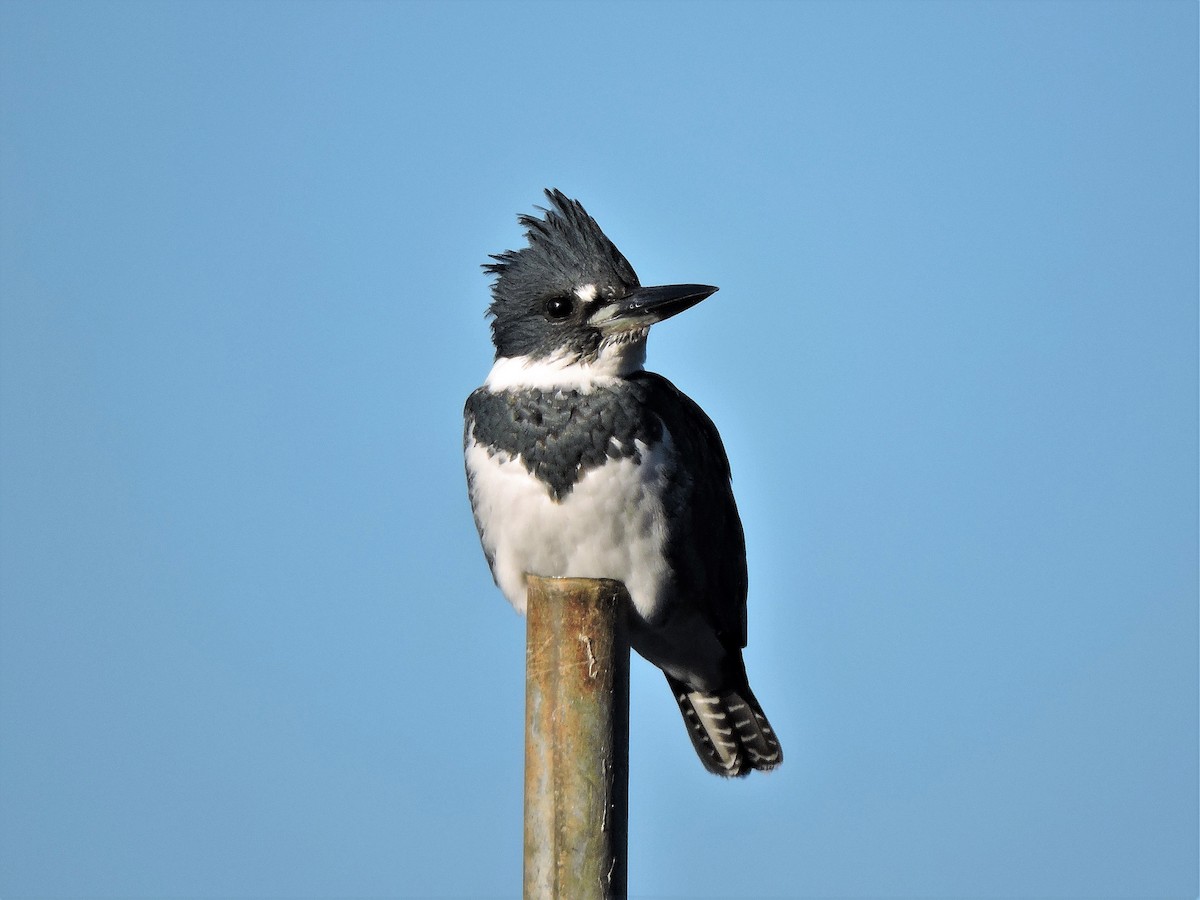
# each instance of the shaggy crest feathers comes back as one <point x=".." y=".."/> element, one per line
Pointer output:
<point x="566" y="250"/>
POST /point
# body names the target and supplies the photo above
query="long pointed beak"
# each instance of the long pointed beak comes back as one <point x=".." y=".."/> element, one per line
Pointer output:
<point x="647" y="305"/>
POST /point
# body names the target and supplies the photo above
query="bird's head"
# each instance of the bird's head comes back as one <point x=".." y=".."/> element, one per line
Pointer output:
<point x="571" y="297"/>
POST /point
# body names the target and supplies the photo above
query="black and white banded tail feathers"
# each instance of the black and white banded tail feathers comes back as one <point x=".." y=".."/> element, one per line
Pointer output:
<point x="731" y="734"/>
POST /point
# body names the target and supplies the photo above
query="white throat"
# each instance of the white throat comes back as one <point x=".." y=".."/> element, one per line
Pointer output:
<point x="620" y="355"/>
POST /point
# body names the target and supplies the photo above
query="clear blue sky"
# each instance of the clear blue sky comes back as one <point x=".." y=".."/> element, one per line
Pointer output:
<point x="248" y="642"/>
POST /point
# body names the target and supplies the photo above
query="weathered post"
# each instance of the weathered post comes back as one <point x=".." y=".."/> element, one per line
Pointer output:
<point x="576" y="739"/>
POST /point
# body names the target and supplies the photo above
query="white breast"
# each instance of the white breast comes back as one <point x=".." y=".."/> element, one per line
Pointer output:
<point x="611" y="524"/>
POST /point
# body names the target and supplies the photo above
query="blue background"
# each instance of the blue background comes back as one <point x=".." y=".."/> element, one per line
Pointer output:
<point x="248" y="642"/>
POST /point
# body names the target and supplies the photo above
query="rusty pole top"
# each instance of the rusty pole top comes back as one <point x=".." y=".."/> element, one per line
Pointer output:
<point x="576" y="739"/>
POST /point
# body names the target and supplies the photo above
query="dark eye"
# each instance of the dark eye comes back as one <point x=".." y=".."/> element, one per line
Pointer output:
<point x="559" y="307"/>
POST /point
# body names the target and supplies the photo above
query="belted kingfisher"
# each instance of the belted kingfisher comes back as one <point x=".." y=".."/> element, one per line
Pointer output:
<point x="581" y="463"/>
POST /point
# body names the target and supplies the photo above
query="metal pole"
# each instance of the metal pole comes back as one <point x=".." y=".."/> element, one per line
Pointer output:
<point x="576" y="739"/>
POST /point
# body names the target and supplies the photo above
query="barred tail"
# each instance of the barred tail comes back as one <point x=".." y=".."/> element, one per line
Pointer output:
<point x="728" y="729"/>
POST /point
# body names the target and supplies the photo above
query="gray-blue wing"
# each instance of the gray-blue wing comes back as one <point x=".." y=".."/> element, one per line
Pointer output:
<point x="706" y="536"/>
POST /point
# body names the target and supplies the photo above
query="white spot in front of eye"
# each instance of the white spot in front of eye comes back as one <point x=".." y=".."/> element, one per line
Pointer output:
<point x="586" y="292"/>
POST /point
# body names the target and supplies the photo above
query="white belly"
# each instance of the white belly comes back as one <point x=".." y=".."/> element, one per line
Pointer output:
<point x="611" y="524"/>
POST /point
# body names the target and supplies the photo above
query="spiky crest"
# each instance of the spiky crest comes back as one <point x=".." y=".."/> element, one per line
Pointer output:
<point x="566" y="250"/>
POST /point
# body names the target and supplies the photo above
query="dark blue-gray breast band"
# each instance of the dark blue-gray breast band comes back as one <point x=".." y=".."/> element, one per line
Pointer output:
<point x="560" y="435"/>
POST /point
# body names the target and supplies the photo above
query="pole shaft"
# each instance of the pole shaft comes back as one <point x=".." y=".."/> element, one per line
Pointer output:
<point x="576" y="739"/>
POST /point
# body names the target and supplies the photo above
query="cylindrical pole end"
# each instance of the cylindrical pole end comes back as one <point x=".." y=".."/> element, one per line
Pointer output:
<point x="576" y="739"/>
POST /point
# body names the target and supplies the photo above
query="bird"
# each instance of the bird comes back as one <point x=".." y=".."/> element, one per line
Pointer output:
<point x="580" y="463"/>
